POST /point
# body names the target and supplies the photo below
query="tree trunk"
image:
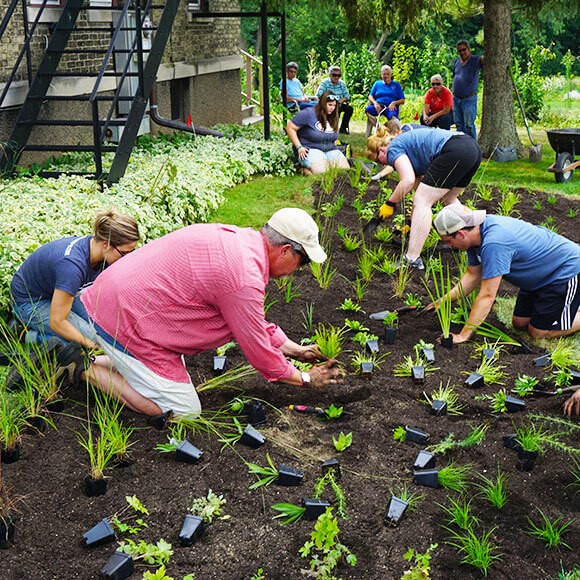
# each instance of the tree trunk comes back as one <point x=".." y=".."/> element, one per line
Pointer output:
<point x="498" y="124"/>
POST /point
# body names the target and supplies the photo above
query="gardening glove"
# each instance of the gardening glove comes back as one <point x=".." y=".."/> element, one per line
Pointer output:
<point x="387" y="210"/>
<point x="376" y="177"/>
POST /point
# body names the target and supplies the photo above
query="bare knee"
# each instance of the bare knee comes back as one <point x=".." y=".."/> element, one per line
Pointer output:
<point x="520" y="323"/>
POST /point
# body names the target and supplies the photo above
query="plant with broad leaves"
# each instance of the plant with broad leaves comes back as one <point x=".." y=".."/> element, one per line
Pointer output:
<point x="420" y="564"/>
<point x="350" y="306"/>
<point x="343" y="441"/>
<point x="209" y="508"/>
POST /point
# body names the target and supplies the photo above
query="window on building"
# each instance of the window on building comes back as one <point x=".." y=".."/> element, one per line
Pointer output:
<point x="198" y="5"/>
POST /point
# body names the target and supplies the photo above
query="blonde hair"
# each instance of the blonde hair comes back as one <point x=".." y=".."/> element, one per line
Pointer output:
<point x="115" y="228"/>
<point x="384" y="135"/>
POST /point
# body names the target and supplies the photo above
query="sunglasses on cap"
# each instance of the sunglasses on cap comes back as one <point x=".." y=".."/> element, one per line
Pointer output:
<point x="333" y="98"/>
<point x="435" y="84"/>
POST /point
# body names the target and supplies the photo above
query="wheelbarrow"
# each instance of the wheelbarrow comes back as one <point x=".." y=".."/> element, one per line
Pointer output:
<point x="566" y="143"/>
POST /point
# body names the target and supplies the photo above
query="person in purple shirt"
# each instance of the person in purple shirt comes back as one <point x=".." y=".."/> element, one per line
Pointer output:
<point x="465" y="80"/>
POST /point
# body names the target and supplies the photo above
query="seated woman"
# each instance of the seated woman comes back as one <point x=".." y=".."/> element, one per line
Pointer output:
<point x="437" y="110"/>
<point x="314" y="133"/>
<point x="295" y="97"/>
<point x="385" y="98"/>
<point x="446" y="161"/>
<point x="44" y="287"/>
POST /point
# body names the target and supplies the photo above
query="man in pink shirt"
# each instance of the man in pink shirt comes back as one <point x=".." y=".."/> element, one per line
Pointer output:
<point x="191" y="291"/>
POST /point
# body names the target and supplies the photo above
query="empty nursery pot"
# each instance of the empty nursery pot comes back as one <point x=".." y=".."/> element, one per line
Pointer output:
<point x="418" y="375"/>
<point x="428" y="354"/>
<point x="288" y="476"/>
<point x="334" y="464"/>
<point x="219" y="365"/>
<point x="366" y="369"/>
<point x="488" y="353"/>
<point x="543" y="360"/>
<point x="372" y="346"/>
<point x="7" y="529"/>
<point x="255" y="412"/>
<point x="526" y="460"/>
<point x="188" y="453"/>
<point x="511" y="442"/>
<point x="439" y="408"/>
<point x="10" y="455"/>
<point x="474" y="381"/>
<point x="425" y="460"/>
<point x="95" y="487"/>
<point x="252" y="437"/>
<point x="426" y="477"/>
<point x="191" y="530"/>
<point x="98" y="535"/>
<point x="390" y="334"/>
<point x="447" y="341"/>
<point x="396" y="511"/>
<point x="417" y="435"/>
<point x="513" y="404"/>
<point x="118" y="566"/>
<point x="314" y="507"/>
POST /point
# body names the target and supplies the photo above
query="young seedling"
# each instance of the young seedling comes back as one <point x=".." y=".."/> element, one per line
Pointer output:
<point x="332" y="412"/>
<point x="478" y="551"/>
<point x="400" y="434"/>
<point x="405" y="368"/>
<point x="209" y="508"/>
<point x="550" y="532"/>
<point x="355" y="325"/>
<point x="459" y="513"/>
<point x="330" y="479"/>
<point x="448" y="394"/>
<point x="366" y="266"/>
<point x="342" y="442"/>
<point x="497" y="401"/>
<point x="387" y="265"/>
<point x="508" y="202"/>
<point x="270" y="474"/>
<point x="441" y="298"/>
<point x="323" y="273"/>
<point x="360" y="361"/>
<point x="290" y="512"/>
<point x="562" y="357"/>
<point x="420" y="564"/>
<point x="524" y="385"/>
<point x="455" y="477"/>
<point x="413" y="498"/>
<point x="307" y="315"/>
<point x="350" y="306"/>
<point x="491" y="371"/>
<point x="475" y="437"/>
<point x="494" y="490"/>
<point x="384" y="234"/>
<point x="363" y="338"/>
<point x="401" y="280"/>
<point x="329" y="339"/>
<point x="152" y="554"/>
<point x="413" y="300"/>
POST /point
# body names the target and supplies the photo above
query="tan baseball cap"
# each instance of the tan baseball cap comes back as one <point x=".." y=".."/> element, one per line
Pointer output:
<point x="296" y="225"/>
<point x="455" y="217"/>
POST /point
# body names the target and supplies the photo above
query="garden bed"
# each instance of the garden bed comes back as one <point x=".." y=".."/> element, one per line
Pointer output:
<point x="56" y="511"/>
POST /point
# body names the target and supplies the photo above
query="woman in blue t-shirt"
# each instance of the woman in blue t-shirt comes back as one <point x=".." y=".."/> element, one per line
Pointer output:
<point x="314" y="133"/>
<point x="44" y="287"/>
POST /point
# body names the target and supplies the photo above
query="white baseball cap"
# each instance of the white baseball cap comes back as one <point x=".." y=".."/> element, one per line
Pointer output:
<point x="455" y="217"/>
<point x="296" y="225"/>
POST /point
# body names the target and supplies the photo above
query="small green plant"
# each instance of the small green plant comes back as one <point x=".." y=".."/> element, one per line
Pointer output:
<point x="259" y="575"/>
<point x="384" y="234"/>
<point x="307" y="315"/>
<point x="351" y="242"/>
<point x="177" y="435"/>
<point x="343" y="441"/>
<point x="350" y="306"/>
<point x="550" y="532"/>
<point x="441" y="298"/>
<point x="355" y="325"/>
<point x="405" y="368"/>
<point x="153" y="554"/>
<point x="329" y="480"/>
<point x="209" y="508"/>
<point x="561" y="378"/>
<point x="484" y="192"/>
<point x="538" y="206"/>
<point x="552" y="199"/>
<point x="358" y="358"/>
<point x="330" y="209"/>
<point x="400" y="434"/>
<point x="265" y="475"/>
<point x="550" y="223"/>
<point x="455" y="477"/>
<point x="159" y="574"/>
<point x="401" y="280"/>
<point x="572" y="213"/>
<point x="222" y="350"/>
<point x="420" y="564"/>
<point x="286" y="286"/>
<point x="448" y="394"/>
<point x="531" y="437"/>
<point x="459" y="513"/>
<point x="475" y="437"/>
<point x="562" y="356"/>
<point x="478" y="551"/>
<point x="524" y="385"/>
<point x="12" y="422"/>
<point x="324" y="549"/>
<point x="491" y="371"/>
<point x="360" y="288"/>
<point x="497" y="401"/>
<point x="413" y="300"/>
<point x="413" y="498"/>
<point x="323" y="273"/>
<point x="575" y="475"/>
<point x="329" y="339"/>
<point x="391" y="319"/>
<point x="289" y="511"/>
<point x="366" y="263"/>
<point x="333" y="412"/>
<point x="508" y="202"/>
<point x="488" y="330"/>
<point x="494" y="490"/>
<point x="387" y="266"/>
<point x="132" y="524"/>
<point x="363" y="337"/>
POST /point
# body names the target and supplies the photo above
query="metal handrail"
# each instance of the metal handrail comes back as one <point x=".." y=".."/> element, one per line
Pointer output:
<point x="248" y="59"/>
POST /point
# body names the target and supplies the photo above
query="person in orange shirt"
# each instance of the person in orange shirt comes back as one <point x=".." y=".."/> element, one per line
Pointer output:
<point x="437" y="110"/>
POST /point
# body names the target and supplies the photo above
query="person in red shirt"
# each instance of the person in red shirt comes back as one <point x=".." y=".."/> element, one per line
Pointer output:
<point x="437" y="110"/>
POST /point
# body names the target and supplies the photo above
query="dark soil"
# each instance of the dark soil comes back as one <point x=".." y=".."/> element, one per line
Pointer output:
<point x="56" y="511"/>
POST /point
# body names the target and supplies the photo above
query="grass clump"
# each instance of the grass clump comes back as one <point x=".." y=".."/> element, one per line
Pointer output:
<point x="550" y="532"/>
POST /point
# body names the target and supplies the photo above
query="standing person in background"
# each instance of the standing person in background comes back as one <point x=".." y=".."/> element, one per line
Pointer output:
<point x="465" y="80"/>
<point x="385" y="98"/>
<point x="295" y="97"/>
<point x="336" y="86"/>
<point x="438" y="105"/>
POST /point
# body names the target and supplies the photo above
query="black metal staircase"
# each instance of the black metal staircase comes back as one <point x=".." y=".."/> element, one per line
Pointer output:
<point x="103" y="115"/>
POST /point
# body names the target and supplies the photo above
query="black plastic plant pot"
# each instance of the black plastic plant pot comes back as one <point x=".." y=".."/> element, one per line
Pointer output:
<point x="288" y="476"/>
<point x="10" y="455"/>
<point x="396" y="511"/>
<point x="366" y="369"/>
<point x="488" y="353"/>
<point x="191" y="530"/>
<point x="372" y="346"/>
<point x="219" y="365"/>
<point x="426" y="477"/>
<point x="255" y="411"/>
<point x="334" y="464"/>
<point x="188" y="453"/>
<point x="35" y="424"/>
<point x="314" y="508"/>
<point x="416" y="435"/>
<point x="447" y="341"/>
<point x="511" y="442"/>
<point x="98" y="535"/>
<point x="543" y="360"/>
<point x="418" y="375"/>
<point x="474" y="381"/>
<point x="429" y="354"/>
<point x="513" y="404"/>
<point x="118" y="566"/>
<point x="55" y="406"/>
<point x="390" y="334"/>
<point x="7" y="529"/>
<point x="425" y="460"/>
<point x="252" y="437"/>
<point x="95" y="487"/>
<point x="526" y="460"/>
<point x="439" y="408"/>
<point x="160" y="421"/>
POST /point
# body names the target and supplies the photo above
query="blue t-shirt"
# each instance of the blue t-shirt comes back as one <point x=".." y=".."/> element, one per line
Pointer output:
<point x="294" y="88"/>
<point x="421" y="147"/>
<point x="60" y="265"/>
<point x="528" y="256"/>
<point x="311" y="133"/>
<point x="385" y="93"/>
<point x="466" y="77"/>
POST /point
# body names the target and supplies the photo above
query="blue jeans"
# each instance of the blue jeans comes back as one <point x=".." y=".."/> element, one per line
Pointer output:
<point x="464" y="114"/>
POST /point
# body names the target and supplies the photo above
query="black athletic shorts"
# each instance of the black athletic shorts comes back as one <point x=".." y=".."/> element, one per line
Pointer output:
<point x="456" y="165"/>
<point x="552" y="307"/>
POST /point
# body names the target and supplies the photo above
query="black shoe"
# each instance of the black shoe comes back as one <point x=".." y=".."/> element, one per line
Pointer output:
<point x="417" y="263"/>
<point x="345" y="131"/>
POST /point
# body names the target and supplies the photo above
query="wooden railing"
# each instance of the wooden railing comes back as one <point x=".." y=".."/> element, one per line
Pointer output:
<point x="251" y="64"/>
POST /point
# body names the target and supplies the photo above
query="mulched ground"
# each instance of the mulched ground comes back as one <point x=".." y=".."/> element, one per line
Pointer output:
<point x="56" y="511"/>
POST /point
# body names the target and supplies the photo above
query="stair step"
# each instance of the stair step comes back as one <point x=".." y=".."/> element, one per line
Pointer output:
<point x="66" y="148"/>
<point x="86" y="98"/>
<point x="248" y="111"/>
<point x="253" y="120"/>
<point x="73" y="122"/>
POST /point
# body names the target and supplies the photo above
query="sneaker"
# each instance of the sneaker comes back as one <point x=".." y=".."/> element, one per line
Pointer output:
<point x="417" y="263"/>
<point x="70" y="359"/>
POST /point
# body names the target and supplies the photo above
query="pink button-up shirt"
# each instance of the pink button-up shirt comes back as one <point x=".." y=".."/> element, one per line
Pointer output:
<point x="190" y="291"/>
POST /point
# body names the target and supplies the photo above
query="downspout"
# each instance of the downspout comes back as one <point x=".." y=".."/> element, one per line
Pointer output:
<point x="174" y="124"/>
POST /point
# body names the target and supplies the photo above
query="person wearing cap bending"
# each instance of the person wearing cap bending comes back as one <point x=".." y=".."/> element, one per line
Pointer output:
<point x="194" y="290"/>
<point x="543" y="265"/>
